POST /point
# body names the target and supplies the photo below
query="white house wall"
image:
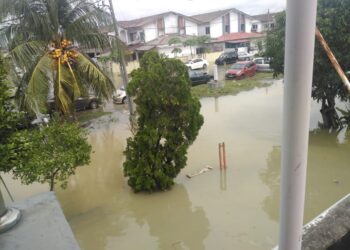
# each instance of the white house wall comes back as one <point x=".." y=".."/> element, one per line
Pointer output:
<point x="170" y="24"/>
<point x="201" y="29"/>
<point x="233" y="22"/>
<point x="248" y="25"/>
<point x="150" y="32"/>
<point x="216" y="27"/>
<point x="123" y="34"/>
<point x="185" y="51"/>
<point x="191" y="28"/>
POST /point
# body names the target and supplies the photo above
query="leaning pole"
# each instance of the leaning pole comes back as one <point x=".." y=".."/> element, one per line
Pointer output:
<point x="299" y="55"/>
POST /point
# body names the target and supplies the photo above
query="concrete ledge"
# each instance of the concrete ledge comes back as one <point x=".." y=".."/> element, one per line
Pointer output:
<point x="42" y="226"/>
<point x="329" y="227"/>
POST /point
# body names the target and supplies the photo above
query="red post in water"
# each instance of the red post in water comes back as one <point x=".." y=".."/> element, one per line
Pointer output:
<point x="220" y="159"/>
<point x="224" y="154"/>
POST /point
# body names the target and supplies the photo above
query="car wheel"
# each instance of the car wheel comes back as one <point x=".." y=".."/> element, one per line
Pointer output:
<point x="204" y="66"/>
<point x="93" y="105"/>
<point x="125" y="100"/>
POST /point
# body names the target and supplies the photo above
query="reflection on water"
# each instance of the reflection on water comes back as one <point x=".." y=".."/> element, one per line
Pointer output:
<point x="232" y="209"/>
<point x="327" y="174"/>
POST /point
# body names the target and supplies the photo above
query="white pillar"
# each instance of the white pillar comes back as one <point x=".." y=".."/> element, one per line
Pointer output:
<point x="299" y="55"/>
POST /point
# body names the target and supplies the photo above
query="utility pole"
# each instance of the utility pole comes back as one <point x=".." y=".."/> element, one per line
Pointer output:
<point x="123" y="72"/>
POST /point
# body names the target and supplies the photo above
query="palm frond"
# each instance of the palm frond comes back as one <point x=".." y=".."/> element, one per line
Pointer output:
<point x="63" y="87"/>
<point x="36" y="92"/>
<point x="25" y="53"/>
<point x="93" y="76"/>
<point x="84" y="26"/>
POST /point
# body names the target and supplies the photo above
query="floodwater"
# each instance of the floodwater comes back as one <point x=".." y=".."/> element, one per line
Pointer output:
<point x="232" y="209"/>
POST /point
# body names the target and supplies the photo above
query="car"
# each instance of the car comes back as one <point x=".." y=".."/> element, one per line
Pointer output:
<point x="263" y="64"/>
<point x="245" y="56"/>
<point x="86" y="102"/>
<point x="199" y="77"/>
<point x="197" y="63"/>
<point x="80" y="104"/>
<point x="227" y="57"/>
<point x="120" y="96"/>
<point x="240" y="70"/>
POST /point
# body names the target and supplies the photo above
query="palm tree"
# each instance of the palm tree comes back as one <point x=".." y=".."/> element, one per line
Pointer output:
<point x="42" y="38"/>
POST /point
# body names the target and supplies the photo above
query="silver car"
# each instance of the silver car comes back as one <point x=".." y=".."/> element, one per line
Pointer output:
<point x="263" y="64"/>
<point x="120" y="96"/>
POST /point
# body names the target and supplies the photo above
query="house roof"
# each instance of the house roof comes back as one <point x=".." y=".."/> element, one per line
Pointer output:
<point x="268" y="17"/>
<point x="238" y="36"/>
<point x="137" y="23"/>
<point x="207" y="17"/>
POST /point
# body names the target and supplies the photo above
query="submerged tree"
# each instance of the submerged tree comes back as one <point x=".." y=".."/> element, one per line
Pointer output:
<point x="168" y="123"/>
<point x="42" y="38"/>
<point x="333" y="20"/>
<point x="49" y="154"/>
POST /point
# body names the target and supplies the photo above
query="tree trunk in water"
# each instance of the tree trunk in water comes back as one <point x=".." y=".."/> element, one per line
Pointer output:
<point x="52" y="183"/>
<point x="329" y="114"/>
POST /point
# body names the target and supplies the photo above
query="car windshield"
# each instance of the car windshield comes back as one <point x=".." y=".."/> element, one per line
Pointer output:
<point x="223" y="56"/>
<point x="238" y="66"/>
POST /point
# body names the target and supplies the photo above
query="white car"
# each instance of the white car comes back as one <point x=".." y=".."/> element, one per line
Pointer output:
<point x="244" y="56"/>
<point x="198" y="63"/>
<point x="120" y="96"/>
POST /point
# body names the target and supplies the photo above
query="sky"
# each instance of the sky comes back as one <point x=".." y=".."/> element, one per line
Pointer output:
<point x="132" y="9"/>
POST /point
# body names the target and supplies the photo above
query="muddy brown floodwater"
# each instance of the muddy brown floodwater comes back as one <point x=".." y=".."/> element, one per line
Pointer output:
<point x="236" y="209"/>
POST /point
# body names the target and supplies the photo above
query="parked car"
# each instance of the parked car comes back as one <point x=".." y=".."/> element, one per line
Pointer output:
<point x="199" y="77"/>
<point x="82" y="103"/>
<point x="263" y="64"/>
<point x="241" y="70"/>
<point x="89" y="102"/>
<point x="244" y="56"/>
<point x="198" y="63"/>
<point x="227" y="57"/>
<point x="120" y="96"/>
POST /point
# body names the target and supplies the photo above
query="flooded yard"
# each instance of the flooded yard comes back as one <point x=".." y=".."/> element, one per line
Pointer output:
<point x="233" y="209"/>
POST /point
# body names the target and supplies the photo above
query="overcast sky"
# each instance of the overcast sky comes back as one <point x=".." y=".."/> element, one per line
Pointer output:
<point x="132" y="9"/>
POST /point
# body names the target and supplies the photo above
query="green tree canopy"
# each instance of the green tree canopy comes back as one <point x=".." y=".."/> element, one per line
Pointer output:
<point x="333" y="20"/>
<point x="49" y="154"/>
<point x="168" y="123"/>
<point x="42" y="38"/>
<point x="9" y="118"/>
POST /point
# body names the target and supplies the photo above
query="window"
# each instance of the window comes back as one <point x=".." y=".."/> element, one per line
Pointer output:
<point x="227" y="28"/>
<point x="254" y="27"/>
<point x="142" y="36"/>
<point x="242" y="27"/>
<point x="207" y="30"/>
<point x="272" y="25"/>
<point x="133" y="36"/>
<point x="259" y="61"/>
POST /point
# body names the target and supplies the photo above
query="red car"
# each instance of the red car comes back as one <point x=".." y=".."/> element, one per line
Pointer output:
<point x="241" y="70"/>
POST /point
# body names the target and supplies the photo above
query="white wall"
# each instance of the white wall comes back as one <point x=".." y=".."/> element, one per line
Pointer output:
<point x="150" y="32"/>
<point x="166" y="50"/>
<point x="191" y="28"/>
<point x="248" y="24"/>
<point x="201" y="29"/>
<point x="171" y="23"/>
<point x="233" y="22"/>
<point x="216" y="27"/>
<point x="123" y="34"/>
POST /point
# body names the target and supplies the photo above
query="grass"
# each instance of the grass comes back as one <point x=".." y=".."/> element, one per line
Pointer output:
<point x="87" y="116"/>
<point x="233" y="87"/>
